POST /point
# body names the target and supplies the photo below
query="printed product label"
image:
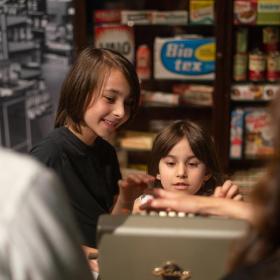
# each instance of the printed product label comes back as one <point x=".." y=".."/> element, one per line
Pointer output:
<point x="185" y="58"/>
<point x="117" y="37"/>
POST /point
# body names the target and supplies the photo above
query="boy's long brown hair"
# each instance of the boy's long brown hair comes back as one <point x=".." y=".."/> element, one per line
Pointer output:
<point x="86" y="77"/>
<point x="201" y="144"/>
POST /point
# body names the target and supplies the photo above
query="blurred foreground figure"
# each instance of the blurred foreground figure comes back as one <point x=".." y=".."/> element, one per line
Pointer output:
<point x="38" y="237"/>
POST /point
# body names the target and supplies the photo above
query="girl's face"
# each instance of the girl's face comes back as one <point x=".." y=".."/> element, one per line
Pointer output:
<point x="181" y="170"/>
<point x="109" y="110"/>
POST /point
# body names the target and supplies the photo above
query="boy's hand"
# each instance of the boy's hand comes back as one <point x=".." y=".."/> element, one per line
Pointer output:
<point x="228" y="190"/>
<point x="133" y="186"/>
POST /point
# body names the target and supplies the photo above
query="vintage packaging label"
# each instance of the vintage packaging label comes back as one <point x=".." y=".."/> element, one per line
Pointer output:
<point x="271" y="38"/>
<point x="140" y="17"/>
<point x="107" y="16"/>
<point x="201" y="11"/>
<point x="245" y="12"/>
<point x="116" y="37"/>
<point x="273" y="66"/>
<point x="240" y="66"/>
<point x="257" y="66"/>
<point x="236" y="133"/>
<point x="170" y="17"/>
<point x="270" y="91"/>
<point x="258" y="134"/>
<point x="247" y="92"/>
<point x="268" y="12"/>
<point x="184" y="58"/>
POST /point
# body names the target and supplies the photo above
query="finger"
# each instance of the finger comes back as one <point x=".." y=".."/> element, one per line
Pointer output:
<point x="218" y="192"/>
<point x="234" y="190"/>
<point x="238" y="197"/>
<point x="94" y="266"/>
<point x="226" y="186"/>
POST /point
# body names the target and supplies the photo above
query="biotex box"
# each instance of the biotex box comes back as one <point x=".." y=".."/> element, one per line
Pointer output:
<point x="184" y="58"/>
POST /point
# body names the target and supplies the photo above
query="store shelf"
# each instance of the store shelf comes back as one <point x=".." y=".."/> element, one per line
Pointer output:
<point x="21" y="46"/>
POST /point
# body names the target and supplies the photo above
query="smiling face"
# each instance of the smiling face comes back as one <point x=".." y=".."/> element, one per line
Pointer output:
<point x="108" y="109"/>
<point x="181" y="170"/>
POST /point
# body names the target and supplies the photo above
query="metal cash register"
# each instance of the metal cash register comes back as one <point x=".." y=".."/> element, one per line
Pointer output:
<point x="165" y="246"/>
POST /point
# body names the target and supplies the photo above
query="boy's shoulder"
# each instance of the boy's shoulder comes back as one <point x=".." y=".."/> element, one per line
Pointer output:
<point x="104" y="146"/>
<point x="51" y="147"/>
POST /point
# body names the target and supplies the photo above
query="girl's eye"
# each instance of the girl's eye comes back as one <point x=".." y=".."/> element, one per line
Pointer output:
<point x="193" y="164"/>
<point x="169" y="163"/>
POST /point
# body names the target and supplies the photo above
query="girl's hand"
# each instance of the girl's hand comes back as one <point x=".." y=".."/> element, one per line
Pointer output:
<point x="133" y="186"/>
<point x="228" y="190"/>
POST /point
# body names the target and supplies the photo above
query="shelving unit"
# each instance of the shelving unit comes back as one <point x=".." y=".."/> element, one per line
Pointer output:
<point x="23" y="94"/>
<point x="218" y="117"/>
<point x="257" y="91"/>
<point x="214" y="117"/>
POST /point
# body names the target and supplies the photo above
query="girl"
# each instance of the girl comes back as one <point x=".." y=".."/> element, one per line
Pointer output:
<point x="100" y="93"/>
<point x="184" y="159"/>
<point x="258" y="255"/>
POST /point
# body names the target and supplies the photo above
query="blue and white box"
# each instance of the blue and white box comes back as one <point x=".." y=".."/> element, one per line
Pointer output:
<point x="184" y="58"/>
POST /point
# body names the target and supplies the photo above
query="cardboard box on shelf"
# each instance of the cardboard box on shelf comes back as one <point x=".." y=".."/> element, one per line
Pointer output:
<point x="268" y="12"/>
<point x="201" y="11"/>
<point x="116" y="37"/>
<point x="184" y="58"/>
<point x="245" y="12"/>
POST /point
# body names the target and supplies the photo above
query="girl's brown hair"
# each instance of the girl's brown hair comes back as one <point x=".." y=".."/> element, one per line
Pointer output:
<point x="201" y="144"/>
<point x="86" y="77"/>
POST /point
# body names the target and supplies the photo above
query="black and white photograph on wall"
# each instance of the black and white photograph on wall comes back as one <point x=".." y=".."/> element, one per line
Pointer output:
<point x="36" y="50"/>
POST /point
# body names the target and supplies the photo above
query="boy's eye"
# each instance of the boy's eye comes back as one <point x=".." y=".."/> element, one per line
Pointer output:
<point x="110" y="99"/>
<point x="170" y="163"/>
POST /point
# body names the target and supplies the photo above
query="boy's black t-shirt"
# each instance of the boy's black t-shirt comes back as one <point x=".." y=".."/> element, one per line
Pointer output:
<point x="89" y="173"/>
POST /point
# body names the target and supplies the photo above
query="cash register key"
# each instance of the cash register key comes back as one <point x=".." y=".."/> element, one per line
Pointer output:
<point x="172" y="271"/>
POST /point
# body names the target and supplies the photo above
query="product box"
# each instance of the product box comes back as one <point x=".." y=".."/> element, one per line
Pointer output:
<point x="184" y="58"/>
<point x="139" y="17"/>
<point x="247" y="92"/>
<point x="107" y="16"/>
<point x="236" y="133"/>
<point x="268" y="12"/>
<point x="258" y="134"/>
<point x="200" y="95"/>
<point x="116" y="37"/>
<point x="158" y="98"/>
<point x="270" y="91"/>
<point x="245" y="12"/>
<point x="201" y="11"/>
<point x="170" y="17"/>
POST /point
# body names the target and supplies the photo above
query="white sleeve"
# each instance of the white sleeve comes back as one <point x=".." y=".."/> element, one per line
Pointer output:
<point x="44" y="242"/>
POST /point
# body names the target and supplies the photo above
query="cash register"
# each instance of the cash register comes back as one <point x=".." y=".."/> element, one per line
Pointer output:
<point x="165" y="245"/>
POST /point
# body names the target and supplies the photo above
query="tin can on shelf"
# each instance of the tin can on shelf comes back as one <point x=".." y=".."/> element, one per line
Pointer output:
<point x="271" y="38"/>
<point x="241" y="40"/>
<point x="273" y="66"/>
<point x="257" y="65"/>
<point x="240" y="66"/>
<point x="143" y="62"/>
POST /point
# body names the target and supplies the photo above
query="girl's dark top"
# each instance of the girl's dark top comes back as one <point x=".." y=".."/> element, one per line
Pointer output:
<point x="89" y="173"/>
<point x="268" y="269"/>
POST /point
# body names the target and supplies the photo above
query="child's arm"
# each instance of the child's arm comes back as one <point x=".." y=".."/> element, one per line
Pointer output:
<point x="130" y="188"/>
<point x="228" y="190"/>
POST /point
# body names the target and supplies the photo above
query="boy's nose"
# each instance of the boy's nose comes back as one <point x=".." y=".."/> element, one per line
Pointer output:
<point x="119" y="110"/>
